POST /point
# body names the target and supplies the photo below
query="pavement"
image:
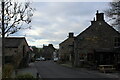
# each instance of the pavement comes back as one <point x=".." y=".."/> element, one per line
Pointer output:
<point x="0" y="72"/>
<point x="0" y="65"/>
<point x="110" y="75"/>
<point x="115" y="74"/>
<point x="31" y="69"/>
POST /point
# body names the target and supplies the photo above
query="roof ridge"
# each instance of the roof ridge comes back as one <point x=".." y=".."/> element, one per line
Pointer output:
<point x="14" y="41"/>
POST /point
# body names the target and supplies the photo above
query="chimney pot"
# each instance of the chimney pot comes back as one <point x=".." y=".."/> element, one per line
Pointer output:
<point x="92" y="22"/>
<point x="99" y="16"/>
<point x="71" y="35"/>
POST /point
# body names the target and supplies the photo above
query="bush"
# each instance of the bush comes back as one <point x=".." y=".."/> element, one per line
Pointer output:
<point x="27" y="75"/>
<point x="7" y="70"/>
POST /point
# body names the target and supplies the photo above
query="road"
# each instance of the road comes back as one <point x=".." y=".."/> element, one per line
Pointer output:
<point x="50" y="69"/>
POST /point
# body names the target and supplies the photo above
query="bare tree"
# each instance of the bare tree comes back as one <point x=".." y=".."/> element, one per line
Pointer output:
<point x="114" y="13"/>
<point x="15" y="15"/>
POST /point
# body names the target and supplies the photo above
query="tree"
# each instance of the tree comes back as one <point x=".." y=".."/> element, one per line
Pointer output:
<point x="114" y="13"/>
<point x="15" y="15"/>
<point x="35" y="51"/>
<point x="41" y="52"/>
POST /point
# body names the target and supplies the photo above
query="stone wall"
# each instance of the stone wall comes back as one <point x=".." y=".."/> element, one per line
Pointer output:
<point x="66" y="48"/>
<point x="99" y="35"/>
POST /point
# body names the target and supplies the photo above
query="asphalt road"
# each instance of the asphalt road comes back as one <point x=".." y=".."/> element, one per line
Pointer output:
<point x="49" y="69"/>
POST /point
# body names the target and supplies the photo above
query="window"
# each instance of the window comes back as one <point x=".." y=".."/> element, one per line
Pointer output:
<point x="117" y="42"/>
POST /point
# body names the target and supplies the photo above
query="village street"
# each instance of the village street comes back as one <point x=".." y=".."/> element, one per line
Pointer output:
<point x="60" y="39"/>
<point x="50" y="69"/>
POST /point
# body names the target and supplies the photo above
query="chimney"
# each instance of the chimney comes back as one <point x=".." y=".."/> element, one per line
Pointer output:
<point x="92" y="22"/>
<point x="99" y="16"/>
<point x="50" y="45"/>
<point x="71" y="35"/>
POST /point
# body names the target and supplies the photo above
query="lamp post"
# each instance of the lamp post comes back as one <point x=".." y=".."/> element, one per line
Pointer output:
<point x="3" y="36"/>
<point x="3" y="30"/>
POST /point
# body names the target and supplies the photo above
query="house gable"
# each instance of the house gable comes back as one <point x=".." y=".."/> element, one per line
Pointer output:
<point x="15" y="45"/>
<point x="99" y="35"/>
<point x="66" y="47"/>
<point x="13" y="42"/>
<point x="16" y="49"/>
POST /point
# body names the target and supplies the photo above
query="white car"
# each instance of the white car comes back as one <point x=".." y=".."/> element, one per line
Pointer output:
<point x="40" y="59"/>
<point x="55" y="59"/>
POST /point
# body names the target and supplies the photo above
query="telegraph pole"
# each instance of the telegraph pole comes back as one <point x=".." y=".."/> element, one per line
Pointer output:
<point x="3" y="36"/>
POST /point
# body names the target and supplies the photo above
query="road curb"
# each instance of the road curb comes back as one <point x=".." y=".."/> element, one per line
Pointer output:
<point x="37" y="73"/>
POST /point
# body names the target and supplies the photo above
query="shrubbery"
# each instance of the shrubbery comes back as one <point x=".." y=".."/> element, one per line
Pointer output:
<point x="7" y="70"/>
<point x="25" y="76"/>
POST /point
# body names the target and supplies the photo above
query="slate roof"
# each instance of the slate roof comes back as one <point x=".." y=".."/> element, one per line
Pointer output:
<point x="66" y="40"/>
<point x="13" y="42"/>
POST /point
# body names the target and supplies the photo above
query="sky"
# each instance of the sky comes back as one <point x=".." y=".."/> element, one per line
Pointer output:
<point x="52" y="21"/>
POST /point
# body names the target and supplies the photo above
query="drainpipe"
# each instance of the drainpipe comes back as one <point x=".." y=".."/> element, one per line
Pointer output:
<point x="76" y="62"/>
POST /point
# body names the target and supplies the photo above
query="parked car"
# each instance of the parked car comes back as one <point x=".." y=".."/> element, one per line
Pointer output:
<point x="106" y="68"/>
<point x="43" y="59"/>
<point x="40" y="59"/>
<point x="55" y="59"/>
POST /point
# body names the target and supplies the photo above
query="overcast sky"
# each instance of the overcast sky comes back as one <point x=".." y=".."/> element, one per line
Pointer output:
<point x="52" y="21"/>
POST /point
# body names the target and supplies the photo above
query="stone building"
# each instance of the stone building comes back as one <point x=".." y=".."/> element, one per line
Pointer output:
<point x="16" y="50"/>
<point x="98" y="44"/>
<point x="56" y="54"/>
<point x="66" y="48"/>
<point x="48" y="51"/>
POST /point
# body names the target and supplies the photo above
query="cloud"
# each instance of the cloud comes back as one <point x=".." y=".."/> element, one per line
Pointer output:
<point x="53" y="21"/>
<point x="65" y="0"/>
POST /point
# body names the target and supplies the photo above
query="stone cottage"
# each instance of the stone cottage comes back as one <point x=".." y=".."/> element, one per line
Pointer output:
<point x="16" y="50"/>
<point x="98" y="44"/>
<point x="66" y="48"/>
<point x="48" y="51"/>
